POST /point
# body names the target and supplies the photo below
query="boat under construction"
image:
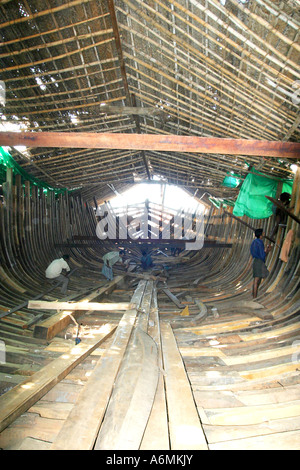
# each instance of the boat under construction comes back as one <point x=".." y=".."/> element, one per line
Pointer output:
<point x="151" y="150"/>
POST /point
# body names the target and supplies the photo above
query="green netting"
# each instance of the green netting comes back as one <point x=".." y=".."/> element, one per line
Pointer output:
<point x="6" y="161"/>
<point x="251" y="200"/>
<point x="231" y="180"/>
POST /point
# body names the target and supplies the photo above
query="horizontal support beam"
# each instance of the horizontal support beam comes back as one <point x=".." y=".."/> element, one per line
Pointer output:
<point x="84" y="306"/>
<point x="128" y="110"/>
<point x="164" y="143"/>
<point x="155" y="241"/>
<point x="56" y="323"/>
<point x="173" y="243"/>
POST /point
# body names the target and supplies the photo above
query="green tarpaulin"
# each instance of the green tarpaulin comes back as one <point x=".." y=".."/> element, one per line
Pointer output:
<point x="6" y="161"/>
<point x="231" y="180"/>
<point x="251" y="200"/>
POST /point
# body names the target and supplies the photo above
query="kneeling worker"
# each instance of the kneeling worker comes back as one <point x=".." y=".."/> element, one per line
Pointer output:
<point x="54" y="272"/>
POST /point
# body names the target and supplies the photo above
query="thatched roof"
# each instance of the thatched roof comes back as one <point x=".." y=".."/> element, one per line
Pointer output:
<point x="220" y="68"/>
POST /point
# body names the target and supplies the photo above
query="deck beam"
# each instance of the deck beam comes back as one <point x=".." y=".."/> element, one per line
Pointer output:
<point x="164" y="143"/>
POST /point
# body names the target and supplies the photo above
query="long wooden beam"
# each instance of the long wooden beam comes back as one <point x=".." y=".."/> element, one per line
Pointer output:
<point x="21" y="398"/>
<point x="56" y="323"/>
<point x="165" y="143"/>
<point x="82" y="306"/>
<point x="284" y="209"/>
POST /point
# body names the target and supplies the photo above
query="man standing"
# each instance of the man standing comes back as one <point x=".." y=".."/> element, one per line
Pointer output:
<point x="146" y="260"/>
<point x="258" y="252"/>
<point x="54" y="272"/>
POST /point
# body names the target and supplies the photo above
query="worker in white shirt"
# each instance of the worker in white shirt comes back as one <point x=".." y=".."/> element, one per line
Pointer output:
<point x="109" y="260"/>
<point x="54" y="272"/>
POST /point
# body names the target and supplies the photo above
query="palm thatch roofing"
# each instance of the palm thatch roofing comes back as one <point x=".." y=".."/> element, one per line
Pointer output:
<point x="217" y="68"/>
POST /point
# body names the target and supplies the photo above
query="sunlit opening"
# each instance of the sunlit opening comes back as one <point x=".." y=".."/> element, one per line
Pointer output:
<point x="152" y="211"/>
<point x="166" y="195"/>
<point x="15" y="125"/>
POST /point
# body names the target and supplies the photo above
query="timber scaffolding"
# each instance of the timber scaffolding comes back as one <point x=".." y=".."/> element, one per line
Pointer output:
<point x="182" y="349"/>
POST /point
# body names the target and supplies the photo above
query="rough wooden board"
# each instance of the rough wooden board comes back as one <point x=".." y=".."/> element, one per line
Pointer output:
<point x="22" y="397"/>
<point x="248" y="415"/>
<point x="51" y="410"/>
<point x="125" y="420"/>
<point x="200" y="352"/>
<point x="282" y="441"/>
<point x="56" y="323"/>
<point x="34" y="444"/>
<point x="184" y="424"/>
<point x="220" y="327"/>
<point x="80" y="430"/>
<point x="267" y="334"/>
<point x="156" y="435"/>
<point x="268" y="396"/>
<point x="172" y="297"/>
<point x="270" y="371"/>
<point x="174" y="143"/>
<point x="29" y="425"/>
<point x="222" y="434"/>
<point x="82" y="306"/>
<point x="217" y="399"/>
<point x="261" y="355"/>
<point x="158" y="419"/>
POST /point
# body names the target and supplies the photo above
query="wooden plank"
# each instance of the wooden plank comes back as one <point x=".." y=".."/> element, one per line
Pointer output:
<point x="249" y="415"/>
<point x="22" y="397"/>
<point x="158" y="419"/>
<point x="80" y="430"/>
<point x="184" y="424"/>
<point x="56" y="323"/>
<point x="125" y="420"/>
<point x="279" y="441"/>
<point x="172" y="297"/>
<point x="235" y="437"/>
<point x="34" y="444"/>
<point x="166" y="143"/>
<point x="82" y="306"/>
